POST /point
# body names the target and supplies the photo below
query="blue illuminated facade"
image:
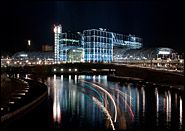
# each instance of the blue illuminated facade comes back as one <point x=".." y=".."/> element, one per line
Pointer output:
<point x="93" y="45"/>
<point x="98" y="46"/>
<point x="126" y="41"/>
<point x="69" y="41"/>
<point x="57" y="38"/>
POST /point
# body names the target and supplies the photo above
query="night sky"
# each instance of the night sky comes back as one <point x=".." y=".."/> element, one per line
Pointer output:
<point x="160" y="24"/>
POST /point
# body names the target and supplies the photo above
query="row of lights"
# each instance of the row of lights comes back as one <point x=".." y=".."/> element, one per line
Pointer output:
<point x="29" y="63"/>
<point x="63" y="70"/>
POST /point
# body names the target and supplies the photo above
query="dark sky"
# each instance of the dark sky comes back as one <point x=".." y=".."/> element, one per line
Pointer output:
<point x="158" y="23"/>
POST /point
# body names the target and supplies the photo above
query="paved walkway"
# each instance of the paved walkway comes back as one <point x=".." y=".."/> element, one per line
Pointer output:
<point x="18" y="98"/>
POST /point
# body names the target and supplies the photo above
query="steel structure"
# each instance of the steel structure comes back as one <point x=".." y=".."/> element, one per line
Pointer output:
<point x="93" y="45"/>
<point x="57" y="35"/>
<point x="98" y="45"/>
<point x="124" y="41"/>
<point x="70" y="41"/>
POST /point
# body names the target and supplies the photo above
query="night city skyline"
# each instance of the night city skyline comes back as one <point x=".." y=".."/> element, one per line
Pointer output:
<point x="160" y="24"/>
<point x="93" y="65"/>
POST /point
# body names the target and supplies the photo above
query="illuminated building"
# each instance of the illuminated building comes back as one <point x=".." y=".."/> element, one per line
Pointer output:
<point x="57" y="37"/>
<point x="98" y="45"/>
<point x="93" y="45"/>
<point x="47" y="48"/>
<point x="126" y="41"/>
<point x="70" y="47"/>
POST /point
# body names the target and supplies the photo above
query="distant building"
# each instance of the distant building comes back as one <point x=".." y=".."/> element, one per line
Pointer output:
<point x="33" y="55"/>
<point x="47" y="48"/>
<point x="32" y="58"/>
<point x="145" y="54"/>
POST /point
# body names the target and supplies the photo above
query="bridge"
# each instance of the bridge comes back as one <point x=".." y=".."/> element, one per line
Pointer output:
<point x="158" y="64"/>
<point x="65" y="68"/>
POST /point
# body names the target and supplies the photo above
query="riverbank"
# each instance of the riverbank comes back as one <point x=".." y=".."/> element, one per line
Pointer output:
<point x="22" y="100"/>
<point x="149" y="75"/>
<point x="8" y="87"/>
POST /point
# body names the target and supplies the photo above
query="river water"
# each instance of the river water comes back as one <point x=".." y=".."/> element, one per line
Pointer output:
<point x="93" y="102"/>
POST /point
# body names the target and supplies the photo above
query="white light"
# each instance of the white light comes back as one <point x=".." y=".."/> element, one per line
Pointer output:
<point x="55" y="29"/>
<point x="59" y="29"/>
<point x="180" y="111"/>
<point x="29" y="42"/>
<point x="24" y="90"/>
<point x="69" y="69"/>
<point x="75" y="69"/>
<point x="164" y="52"/>
<point x="17" y="97"/>
<point x="62" y="69"/>
<point x="11" y="102"/>
<point x="21" y="94"/>
<point x="54" y="69"/>
<point x="23" y="55"/>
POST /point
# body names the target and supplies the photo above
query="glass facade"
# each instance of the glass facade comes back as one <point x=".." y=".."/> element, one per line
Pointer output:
<point x="64" y="43"/>
<point x="126" y="41"/>
<point x="70" y="41"/>
<point x="94" y="45"/>
<point x="98" y="46"/>
<point x="133" y="42"/>
<point x="75" y="55"/>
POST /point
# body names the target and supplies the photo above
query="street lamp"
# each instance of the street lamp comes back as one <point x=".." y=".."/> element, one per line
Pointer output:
<point x="29" y="44"/>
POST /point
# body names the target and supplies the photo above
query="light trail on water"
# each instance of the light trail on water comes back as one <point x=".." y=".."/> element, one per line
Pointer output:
<point x="110" y="96"/>
<point x="105" y="111"/>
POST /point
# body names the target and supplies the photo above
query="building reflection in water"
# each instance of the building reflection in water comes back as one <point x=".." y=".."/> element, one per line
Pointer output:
<point x="137" y="93"/>
<point x="56" y="103"/>
<point x="17" y="76"/>
<point x="168" y="107"/>
<point x="180" y="115"/>
<point x="49" y="82"/>
<point x="143" y="97"/>
<point x="74" y="102"/>
<point x="76" y="79"/>
<point x="26" y="77"/>
<point x="157" y="106"/>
